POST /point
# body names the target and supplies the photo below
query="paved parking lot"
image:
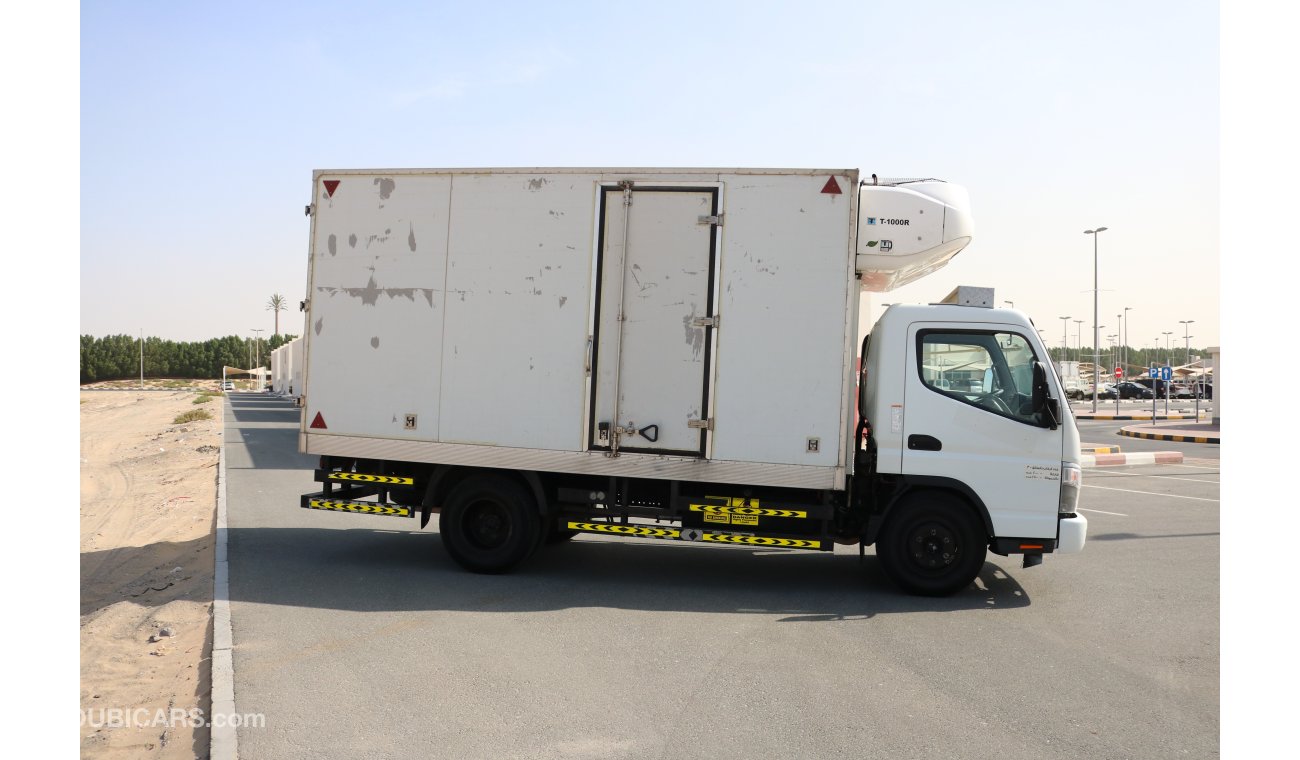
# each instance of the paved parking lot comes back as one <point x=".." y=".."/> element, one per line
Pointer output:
<point x="357" y="636"/>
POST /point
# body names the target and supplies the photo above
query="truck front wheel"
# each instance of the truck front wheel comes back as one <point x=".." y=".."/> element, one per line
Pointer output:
<point x="489" y="524"/>
<point x="932" y="544"/>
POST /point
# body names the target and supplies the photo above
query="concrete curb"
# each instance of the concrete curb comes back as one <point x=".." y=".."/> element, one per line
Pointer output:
<point x="223" y="741"/>
<point x="1100" y="450"/>
<point x="1132" y="433"/>
<point x="1117" y="460"/>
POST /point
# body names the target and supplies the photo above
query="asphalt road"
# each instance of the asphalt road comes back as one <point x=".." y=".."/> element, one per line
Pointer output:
<point x="356" y="636"/>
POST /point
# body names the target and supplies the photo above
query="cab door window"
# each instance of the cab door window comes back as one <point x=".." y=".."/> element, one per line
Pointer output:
<point x="991" y="370"/>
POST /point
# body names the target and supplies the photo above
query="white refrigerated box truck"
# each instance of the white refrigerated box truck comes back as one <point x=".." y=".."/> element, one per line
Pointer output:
<point x="672" y="354"/>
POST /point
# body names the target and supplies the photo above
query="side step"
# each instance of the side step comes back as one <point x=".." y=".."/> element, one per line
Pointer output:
<point x="320" y="501"/>
<point x="698" y="534"/>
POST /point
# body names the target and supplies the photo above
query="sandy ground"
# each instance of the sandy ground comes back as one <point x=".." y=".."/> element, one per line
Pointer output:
<point x="148" y="498"/>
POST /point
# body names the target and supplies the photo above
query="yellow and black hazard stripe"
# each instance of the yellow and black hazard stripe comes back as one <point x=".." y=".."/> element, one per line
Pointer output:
<point x="359" y="507"/>
<point x="788" y="543"/>
<point x="640" y="531"/>
<point x="714" y="509"/>
<point x="360" y="477"/>
<point x="694" y="534"/>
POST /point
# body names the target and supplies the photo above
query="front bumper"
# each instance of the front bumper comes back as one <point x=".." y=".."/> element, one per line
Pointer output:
<point x="1073" y="534"/>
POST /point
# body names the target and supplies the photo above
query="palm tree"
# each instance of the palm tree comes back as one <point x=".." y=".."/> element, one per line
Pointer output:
<point x="276" y="304"/>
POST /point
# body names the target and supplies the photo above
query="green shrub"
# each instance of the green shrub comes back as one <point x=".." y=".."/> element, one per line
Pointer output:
<point x="193" y="415"/>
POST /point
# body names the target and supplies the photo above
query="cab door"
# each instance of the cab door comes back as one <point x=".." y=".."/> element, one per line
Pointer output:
<point x="969" y="418"/>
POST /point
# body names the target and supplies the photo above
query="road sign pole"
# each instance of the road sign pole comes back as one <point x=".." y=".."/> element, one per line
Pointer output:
<point x="1153" y="373"/>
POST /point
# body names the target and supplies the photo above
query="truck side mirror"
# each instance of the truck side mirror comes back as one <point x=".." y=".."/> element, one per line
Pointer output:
<point x="1046" y="408"/>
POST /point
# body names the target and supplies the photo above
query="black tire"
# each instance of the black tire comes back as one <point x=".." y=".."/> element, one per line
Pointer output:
<point x="557" y="535"/>
<point x="489" y="524"/>
<point x="932" y="544"/>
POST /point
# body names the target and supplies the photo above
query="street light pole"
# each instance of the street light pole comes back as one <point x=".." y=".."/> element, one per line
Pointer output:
<point x="1010" y="304"/>
<point x="1124" y="339"/>
<point x="1096" y="329"/>
<point x="1187" y="339"/>
<point x="1065" y="340"/>
<point x="1078" y="339"/>
<point x="258" y="360"/>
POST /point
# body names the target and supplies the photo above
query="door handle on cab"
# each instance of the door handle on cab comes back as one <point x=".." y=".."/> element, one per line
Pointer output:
<point x="924" y="443"/>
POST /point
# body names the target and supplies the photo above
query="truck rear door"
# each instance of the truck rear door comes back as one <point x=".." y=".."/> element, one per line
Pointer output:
<point x="653" y="338"/>
<point x="968" y="419"/>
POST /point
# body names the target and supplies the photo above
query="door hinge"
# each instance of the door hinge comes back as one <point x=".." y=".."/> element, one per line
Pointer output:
<point x="714" y="321"/>
<point x="715" y="220"/>
<point x="310" y="208"/>
<point x="705" y="424"/>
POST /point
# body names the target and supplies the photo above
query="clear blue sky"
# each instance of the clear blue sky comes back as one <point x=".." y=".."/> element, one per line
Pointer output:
<point x="201" y="125"/>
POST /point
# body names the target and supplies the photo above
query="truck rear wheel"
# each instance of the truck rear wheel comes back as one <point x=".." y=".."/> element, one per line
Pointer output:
<point x="489" y="524"/>
<point x="932" y="545"/>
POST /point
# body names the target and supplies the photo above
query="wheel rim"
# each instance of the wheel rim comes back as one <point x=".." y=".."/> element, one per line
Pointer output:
<point x="933" y="547"/>
<point x="487" y="526"/>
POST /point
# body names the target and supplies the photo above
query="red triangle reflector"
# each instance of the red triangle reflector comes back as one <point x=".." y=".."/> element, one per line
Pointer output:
<point x="832" y="187"/>
<point x="318" y="423"/>
<point x="332" y="184"/>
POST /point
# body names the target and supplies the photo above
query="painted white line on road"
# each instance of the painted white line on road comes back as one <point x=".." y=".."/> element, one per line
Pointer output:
<point x="1152" y="475"/>
<point x="1151" y="493"/>
<point x="1102" y="512"/>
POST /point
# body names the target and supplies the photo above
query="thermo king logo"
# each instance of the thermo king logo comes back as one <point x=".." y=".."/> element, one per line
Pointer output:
<point x="871" y="220"/>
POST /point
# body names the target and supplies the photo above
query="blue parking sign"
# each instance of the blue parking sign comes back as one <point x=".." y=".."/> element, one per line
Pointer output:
<point x="1166" y="373"/>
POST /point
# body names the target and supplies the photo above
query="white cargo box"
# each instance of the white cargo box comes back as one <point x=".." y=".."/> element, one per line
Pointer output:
<point x="487" y="317"/>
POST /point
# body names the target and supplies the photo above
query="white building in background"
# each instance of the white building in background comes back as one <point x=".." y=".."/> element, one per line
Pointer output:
<point x="286" y="369"/>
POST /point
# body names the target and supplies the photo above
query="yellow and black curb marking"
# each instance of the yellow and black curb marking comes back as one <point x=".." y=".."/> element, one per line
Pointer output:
<point x="1100" y="450"/>
<point x="1134" y="418"/>
<point x="693" y="534"/>
<point x="1169" y="437"/>
<point x="358" y="477"/>
<point x="360" y="507"/>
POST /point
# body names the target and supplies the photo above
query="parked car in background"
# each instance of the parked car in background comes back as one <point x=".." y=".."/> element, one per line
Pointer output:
<point x="1126" y="390"/>
<point x="227" y="386"/>
<point x="1075" y="389"/>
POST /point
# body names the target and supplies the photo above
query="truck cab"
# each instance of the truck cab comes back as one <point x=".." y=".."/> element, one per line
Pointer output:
<point x="970" y="434"/>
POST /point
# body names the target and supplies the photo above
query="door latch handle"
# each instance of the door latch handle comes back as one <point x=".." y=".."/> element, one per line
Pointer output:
<point x="924" y="443"/>
<point x="645" y="432"/>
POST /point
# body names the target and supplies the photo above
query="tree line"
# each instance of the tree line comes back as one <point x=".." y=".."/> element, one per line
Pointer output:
<point x="117" y="357"/>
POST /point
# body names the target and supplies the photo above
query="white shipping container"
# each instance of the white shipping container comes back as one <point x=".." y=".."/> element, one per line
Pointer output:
<point x="692" y="324"/>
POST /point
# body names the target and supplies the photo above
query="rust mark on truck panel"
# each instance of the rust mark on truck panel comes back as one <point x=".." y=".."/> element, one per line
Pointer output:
<point x="386" y="186"/>
<point x="319" y="322"/>
<point x="369" y="295"/>
<point x="537" y="184"/>
<point x="374" y="342"/>
<point x="352" y="240"/>
<point x="562" y="300"/>
<point x="410" y="239"/>
<point x="333" y="245"/>
<point x="694" y="335"/>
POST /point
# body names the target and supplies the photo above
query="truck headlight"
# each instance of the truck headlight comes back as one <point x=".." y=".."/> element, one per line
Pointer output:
<point x="1071" y="482"/>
